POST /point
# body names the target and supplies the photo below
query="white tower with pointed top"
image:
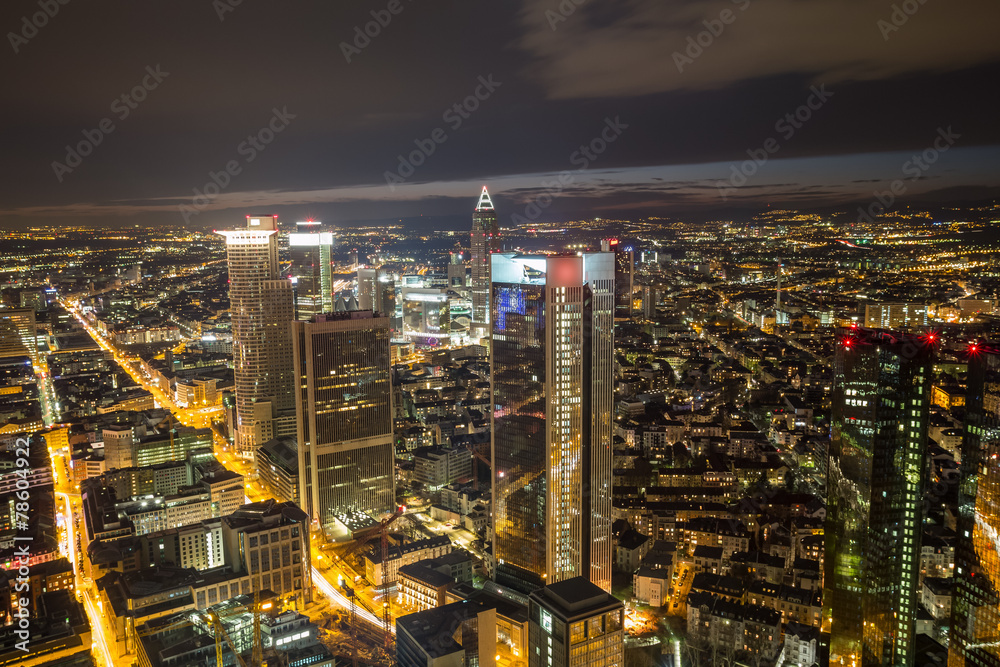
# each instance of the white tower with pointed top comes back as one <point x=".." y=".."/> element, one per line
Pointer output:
<point x="485" y="242"/>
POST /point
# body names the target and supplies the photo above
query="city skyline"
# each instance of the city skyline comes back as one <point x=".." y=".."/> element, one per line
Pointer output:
<point x="541" y="333"/>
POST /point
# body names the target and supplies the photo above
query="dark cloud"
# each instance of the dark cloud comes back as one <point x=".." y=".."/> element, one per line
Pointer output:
<point x="352" y="121"/>
<point x="586" y="55"/>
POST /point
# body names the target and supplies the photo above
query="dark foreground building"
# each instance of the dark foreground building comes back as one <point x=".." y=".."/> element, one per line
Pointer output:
<point x="975" y="627"/>
<point x="881" y="396"/>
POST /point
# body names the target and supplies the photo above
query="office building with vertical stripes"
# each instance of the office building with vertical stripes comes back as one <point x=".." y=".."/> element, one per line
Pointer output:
<point x="552" y="338"/>
<point x="344" y="415"/>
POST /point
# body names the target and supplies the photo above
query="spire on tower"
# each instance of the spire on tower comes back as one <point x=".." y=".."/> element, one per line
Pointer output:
<point x="485" y="203"/>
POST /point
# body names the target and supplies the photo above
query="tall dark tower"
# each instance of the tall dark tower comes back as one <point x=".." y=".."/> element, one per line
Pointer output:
<point x="975" y="625"/>
<point x="880" y="408"/>
<point x="485" y="242"/>
<point x="344" y="413"/>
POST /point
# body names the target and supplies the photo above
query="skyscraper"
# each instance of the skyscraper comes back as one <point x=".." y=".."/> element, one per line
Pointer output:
<point x="552" y="343"/>
<point x="975" y="627"/>
<point x="261" y="307"/>
<point x="881" y="400"/>
<point x="456" y="267"/>
<point x="17" y="333"/>
<point x="485" y="241"/>
<point x="312" y="269"/>
<point x="377" y="291"/>
<point x="344" y="414"/>
<point x="624" y="275"/>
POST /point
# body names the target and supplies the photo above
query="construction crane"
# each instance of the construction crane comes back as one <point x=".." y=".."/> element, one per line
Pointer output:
<point x="349" y="592"/>
<point x="258" y="649"/>
<point x="220" y="630"/>
<point x="214" y="620"/>
<point x="363" y="537"/>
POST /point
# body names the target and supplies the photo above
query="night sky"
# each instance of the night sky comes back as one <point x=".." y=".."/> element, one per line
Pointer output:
<point x="673" y="115"/>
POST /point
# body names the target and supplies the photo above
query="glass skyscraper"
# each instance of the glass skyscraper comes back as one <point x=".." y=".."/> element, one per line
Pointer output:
<point x="552" y="344"/>
<point x="881" y="399"/>
<point x="262" y="311"/>
<point x="485" y="241"/>
<point x="975" y="627"/>
<point x="18" y="336"/>
<point x="312" y="270"/>
<point x="344" y="414"/>
<point x="624" y="275"/>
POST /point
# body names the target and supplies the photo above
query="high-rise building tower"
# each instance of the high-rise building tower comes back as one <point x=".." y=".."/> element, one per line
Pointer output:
<point x="377" y="291"/>
<point x="485" y="241"/>
<point x="975" y="626"/>
<point x="880" y="408"/>
<point x="311" y="253"/>
<point x="552" y="325"/>
<point x="624" y="275"/>
<point x="344" y="414"/>
<point x="456" y="267"/>
<point x="574" y="623"/>
<point x="18" y="336"/>
<point x="260" y="303"/>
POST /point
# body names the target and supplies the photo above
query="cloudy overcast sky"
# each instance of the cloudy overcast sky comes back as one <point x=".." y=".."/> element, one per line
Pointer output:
<point x="688" y="105"/>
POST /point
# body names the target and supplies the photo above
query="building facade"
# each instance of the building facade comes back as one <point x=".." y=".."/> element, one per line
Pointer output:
<point x="261" y="306"/>
<point x="624" y="275"/>
<point x="575" y="624"/>
<point x="312" y="269"/>
<point x="485" y="241"/>
<point x="18" y="334"/>
<point x="270" y="542"/>
<point x="975" y="623"/>
<point x="880" y="409"/>
<point x="344" y="414"/>
<point x="895" y="315"/>
<point x="552" y="338"/>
